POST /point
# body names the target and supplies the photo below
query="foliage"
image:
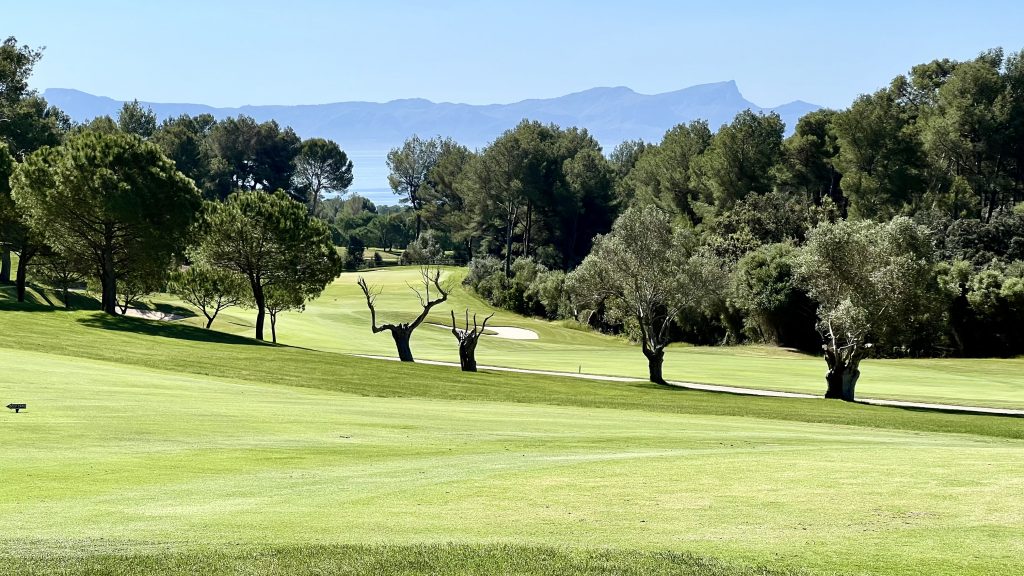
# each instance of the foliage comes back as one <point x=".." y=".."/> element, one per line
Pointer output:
<point x="321" y="167"/>
<point x="539" y="188"/>
<point x="208" y="289"/>
<point x="426" y="249"/>
<point x="271" y="241"/>
<point x="650" y="272"/>
<point x="665" y="174"/>
<point x="775" y="309"/>
<point x="134" y="119"/>
<point x="110" y="200"/>
<point x="410" y="167"/>
<point x="252" y="156"/>
<point x="873" y="284"/>
<point x="741" y="158"/>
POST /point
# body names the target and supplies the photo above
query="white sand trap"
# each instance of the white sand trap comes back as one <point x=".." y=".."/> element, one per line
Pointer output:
<point x="152" y="315"/>
<point x="512" y="333"/>
<point x="506" y="332"/>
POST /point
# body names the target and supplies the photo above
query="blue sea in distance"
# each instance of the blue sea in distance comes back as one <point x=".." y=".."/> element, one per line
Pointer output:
<point x="370" y="176"/>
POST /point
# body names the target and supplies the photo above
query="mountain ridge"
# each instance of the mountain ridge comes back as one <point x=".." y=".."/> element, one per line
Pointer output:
<point x="367" y="130"/>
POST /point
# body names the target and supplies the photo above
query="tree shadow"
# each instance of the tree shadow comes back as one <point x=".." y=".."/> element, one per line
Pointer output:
<point x="42" y="299"/>
<point x="965" y="411"/>
<point x="165" y="330"/>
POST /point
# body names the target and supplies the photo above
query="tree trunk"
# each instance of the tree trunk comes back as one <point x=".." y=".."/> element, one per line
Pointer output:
<point x="22" y="277"/>
<point x="508" y="245"/>
<point x="841" y="380"/>
<point x="529" y="229"/>
<point x="467" y="356"/>
<point x="67" y="301"/>
<point x="5" y="266"/>
<point x="261" y="308"/>
<point x="402" y="338"/>
<point x="108" y="282"/>
<point x="273" y="327"/>
<point x="209" y="320"/>
<point x="655" y="362"/>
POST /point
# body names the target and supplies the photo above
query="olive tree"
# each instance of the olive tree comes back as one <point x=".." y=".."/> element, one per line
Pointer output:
<point x="270" y="240"/>
<point x="871" y="281"/>
<point x="432" y="293"/>
<point x="650" y="272"/>
<point x="468" y="339"/>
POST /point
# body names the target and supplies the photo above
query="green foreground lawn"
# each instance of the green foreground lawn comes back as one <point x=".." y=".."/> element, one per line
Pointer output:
<point x="339" y="322"/>
<point x="154" y="448"/>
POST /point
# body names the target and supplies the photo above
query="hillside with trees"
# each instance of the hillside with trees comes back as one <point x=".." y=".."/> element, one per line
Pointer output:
<point x="893" y="227"/>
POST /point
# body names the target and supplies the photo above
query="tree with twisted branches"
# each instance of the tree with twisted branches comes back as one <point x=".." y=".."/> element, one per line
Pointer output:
<point x="872" y="282"/>
<point x="468" y="339"/>
<point x="431" y="294"/>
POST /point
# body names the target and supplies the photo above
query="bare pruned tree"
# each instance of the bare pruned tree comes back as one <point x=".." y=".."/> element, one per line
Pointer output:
<point x="432" y="293"/>
<point x="467" y="340"/>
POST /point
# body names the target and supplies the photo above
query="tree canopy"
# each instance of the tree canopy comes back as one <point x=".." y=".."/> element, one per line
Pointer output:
<point x="111" y="200"/>
<point x="271" y="241"/>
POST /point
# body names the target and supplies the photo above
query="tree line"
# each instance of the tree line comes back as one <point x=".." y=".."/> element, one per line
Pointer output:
<point x="218" y="211"/>
<point x="893" y="227"/>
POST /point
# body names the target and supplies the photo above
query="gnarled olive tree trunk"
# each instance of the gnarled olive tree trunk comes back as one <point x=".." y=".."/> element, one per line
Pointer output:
<point x="655" y="363"/>
<point x="843" y="370"/>
<point x="468" y="339"/>
<point x="402" y="332"/>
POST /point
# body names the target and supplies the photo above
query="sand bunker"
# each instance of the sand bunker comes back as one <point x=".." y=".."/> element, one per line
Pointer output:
<point x="512" y="333"/>
<point x="506" y="332"/>
<point x="152" y="315"/>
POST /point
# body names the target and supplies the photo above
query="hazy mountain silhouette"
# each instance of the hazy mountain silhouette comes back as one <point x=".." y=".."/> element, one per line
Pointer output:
<point x="366" y="130"/>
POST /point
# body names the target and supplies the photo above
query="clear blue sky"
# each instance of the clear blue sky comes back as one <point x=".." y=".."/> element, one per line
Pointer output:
<point x="228" y="53"/>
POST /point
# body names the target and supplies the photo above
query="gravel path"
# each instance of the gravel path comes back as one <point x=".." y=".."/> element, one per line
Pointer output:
<point x="734" y="389"/>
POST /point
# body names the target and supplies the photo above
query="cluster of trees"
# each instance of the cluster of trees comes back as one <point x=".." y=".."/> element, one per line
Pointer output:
<point x="893" y="227"/>
<point x="537" y="191"/>
<point x="219" y="211"/>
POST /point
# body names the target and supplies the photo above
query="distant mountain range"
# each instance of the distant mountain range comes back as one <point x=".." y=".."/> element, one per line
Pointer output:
<point x="367" y="130"/>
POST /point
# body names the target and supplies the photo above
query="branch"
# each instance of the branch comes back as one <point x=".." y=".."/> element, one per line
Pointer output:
<point x="484" y="325"/>
<point x="371" y="296"/>
<point x="428" y="281"/>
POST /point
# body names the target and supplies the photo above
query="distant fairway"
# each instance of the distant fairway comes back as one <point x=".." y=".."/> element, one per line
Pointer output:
<point x="155" y="448"/>
<point x="339" y="322"/>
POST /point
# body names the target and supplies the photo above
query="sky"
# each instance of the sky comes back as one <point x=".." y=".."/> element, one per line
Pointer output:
<point x="232" y="53"/>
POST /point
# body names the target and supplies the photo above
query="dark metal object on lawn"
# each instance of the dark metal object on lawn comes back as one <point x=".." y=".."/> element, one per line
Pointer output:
<point x="17" y="407"/>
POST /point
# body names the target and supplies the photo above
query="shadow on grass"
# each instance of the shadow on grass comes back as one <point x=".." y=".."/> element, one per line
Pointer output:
<point x="42" y="299"/>
<point x="965" y="411"/>
<point x="165" y="330"/>
<point x="166" y="308"/>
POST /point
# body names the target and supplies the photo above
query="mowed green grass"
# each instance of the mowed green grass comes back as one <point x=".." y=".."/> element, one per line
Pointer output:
<point x="339" y="321"/>
<point x="154" y="448"/>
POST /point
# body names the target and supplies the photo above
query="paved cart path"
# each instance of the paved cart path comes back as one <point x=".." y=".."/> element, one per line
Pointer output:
<point x="732" y="389"/>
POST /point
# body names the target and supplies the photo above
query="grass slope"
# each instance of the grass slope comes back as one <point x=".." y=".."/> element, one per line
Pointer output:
<point x="152" y="448"/>
<point x="339" y="322"/>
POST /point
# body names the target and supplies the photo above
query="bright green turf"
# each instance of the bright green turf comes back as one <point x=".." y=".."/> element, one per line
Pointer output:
<point x="339" y="322"/>
<point x="149" y="445"/>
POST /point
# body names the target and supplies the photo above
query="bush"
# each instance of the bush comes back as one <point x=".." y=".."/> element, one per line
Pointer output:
<point x="775" y="310"/>
<point x="426" y="249"/>
<point x="354" y="253"/>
